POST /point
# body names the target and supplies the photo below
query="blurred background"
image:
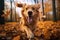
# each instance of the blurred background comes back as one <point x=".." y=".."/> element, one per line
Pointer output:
<point x="50" y="8"/>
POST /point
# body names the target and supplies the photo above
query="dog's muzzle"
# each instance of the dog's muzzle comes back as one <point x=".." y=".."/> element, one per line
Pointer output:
<point x="30" y="13"/>
<point x="30" y="16"/>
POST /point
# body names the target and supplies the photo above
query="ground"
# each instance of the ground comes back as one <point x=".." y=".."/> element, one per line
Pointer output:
<point x="44" y="30"/>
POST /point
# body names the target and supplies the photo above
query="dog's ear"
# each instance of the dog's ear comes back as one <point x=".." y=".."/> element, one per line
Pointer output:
<point x="37" y="6"/>
<point x="20" y="5"/>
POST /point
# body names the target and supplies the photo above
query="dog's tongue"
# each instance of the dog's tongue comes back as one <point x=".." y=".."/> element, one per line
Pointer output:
<point x="30" y="19"/>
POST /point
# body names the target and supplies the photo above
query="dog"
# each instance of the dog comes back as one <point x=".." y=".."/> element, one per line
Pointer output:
<point x="23" y="21"/>
<point x="30" y="16"/>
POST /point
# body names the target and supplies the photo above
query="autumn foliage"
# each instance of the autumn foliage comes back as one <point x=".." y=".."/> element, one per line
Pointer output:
<point x="47" y="30"/>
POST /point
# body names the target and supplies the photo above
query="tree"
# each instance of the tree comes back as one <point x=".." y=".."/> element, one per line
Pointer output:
<point x="2" y="21"/>
<point x="11" y="9"/>
<point x="43" y="6"/>
<point x="48" y="7"/>
<point x="54" y="10"/>
<point x="58" y="9"/>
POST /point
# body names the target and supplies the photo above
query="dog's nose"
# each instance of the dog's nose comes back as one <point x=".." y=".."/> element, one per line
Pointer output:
<point x="30" y="13"/>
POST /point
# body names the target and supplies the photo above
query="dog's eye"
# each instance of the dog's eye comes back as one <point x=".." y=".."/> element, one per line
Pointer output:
<point x="26" y="8"/>
<point x="33" y="8"/>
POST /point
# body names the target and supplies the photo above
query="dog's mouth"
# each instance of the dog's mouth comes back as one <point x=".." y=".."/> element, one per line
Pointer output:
<point x="30" y="16"/>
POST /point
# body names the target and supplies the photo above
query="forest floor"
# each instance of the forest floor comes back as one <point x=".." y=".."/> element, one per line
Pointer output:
<point x="45" y="30"/>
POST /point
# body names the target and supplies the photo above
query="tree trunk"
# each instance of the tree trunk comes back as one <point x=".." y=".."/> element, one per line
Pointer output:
<point x="2" y="21"/>
<point x="54" y="10"/>
<point x="43" y="6"/>
<point x="11" y="10"/>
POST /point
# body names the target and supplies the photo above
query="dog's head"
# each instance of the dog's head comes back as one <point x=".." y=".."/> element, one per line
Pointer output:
<point x="30" y="11"/>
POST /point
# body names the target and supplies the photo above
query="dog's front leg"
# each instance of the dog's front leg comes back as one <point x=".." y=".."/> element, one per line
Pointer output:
<point x="29" y="33"/>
